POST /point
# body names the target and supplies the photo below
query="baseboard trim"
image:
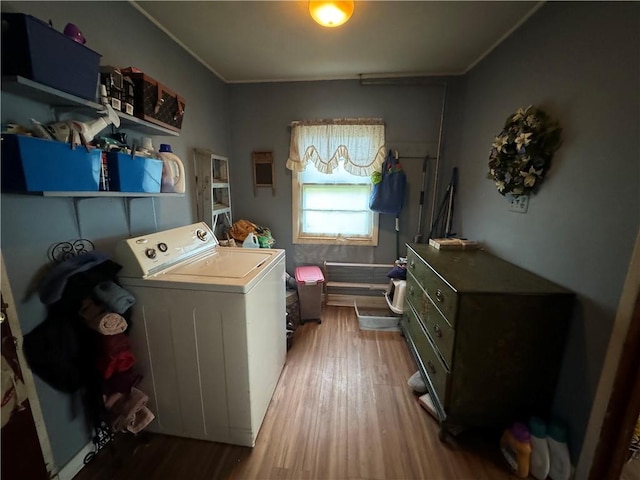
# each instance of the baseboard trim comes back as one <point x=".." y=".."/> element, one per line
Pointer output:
<point x="76" y="464"/>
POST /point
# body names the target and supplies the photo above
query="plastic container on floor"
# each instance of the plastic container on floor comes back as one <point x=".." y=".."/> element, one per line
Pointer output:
<point x="539" y="465"/>
<point x="377" y="318"/>
<point x="559" y="458"/>
<point x="395" y="295"/>
<point x="416" y="383"/>
<point x="515" y="445"/>
<point x="310" y="279"/>
<point x="293" y="309"/>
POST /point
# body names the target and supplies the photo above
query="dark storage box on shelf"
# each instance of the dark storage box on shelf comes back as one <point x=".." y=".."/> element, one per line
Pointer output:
<point x="37" y="165"/>
<point x="33" y="49"/>
<point x="154" y="102"/>
<point x="134" y="174"/>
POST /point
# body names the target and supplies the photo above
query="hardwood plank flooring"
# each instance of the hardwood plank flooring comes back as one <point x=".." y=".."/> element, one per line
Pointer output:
<point x="342" y="410"/>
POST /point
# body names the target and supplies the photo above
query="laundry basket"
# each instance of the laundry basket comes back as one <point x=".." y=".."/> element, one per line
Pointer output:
<point x="310" y="279"/>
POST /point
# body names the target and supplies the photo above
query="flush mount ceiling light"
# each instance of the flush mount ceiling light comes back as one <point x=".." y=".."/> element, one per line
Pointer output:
<point x="331" y="14"/>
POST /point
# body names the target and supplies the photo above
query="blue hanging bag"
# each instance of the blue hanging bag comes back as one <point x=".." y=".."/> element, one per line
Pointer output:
<point x="387" y="196"/>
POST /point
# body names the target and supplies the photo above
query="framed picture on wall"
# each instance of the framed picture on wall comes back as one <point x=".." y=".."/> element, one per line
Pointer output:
<point x="263" y="175"/>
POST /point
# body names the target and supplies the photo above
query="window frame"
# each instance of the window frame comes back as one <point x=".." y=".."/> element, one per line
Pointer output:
<point x="300" y="237"/>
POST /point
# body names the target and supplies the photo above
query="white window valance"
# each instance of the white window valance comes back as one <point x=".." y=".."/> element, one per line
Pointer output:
<point x="359" y="142"/>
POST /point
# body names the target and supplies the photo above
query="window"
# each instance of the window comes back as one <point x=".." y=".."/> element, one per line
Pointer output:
<point x="332" y="163"/>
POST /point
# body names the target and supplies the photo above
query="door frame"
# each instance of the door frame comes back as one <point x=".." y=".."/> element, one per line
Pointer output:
<point x="617" y="400"/>
<point x="27" y="374"/>
<point x="622" y="411"/>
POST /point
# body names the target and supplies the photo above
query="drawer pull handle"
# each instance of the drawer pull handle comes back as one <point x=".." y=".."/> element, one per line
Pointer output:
<point x="411" y="290"/>
<point x="431" y="368"/>
<point x="439" y="295"/>
<point x="412" y="264"/>
<point x="436" y="328"/>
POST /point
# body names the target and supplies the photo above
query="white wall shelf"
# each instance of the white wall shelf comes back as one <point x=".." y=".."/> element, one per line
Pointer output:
<point x="107" y="194"/>
<point x="27" y="88"/>
<point x="42" y="93"/>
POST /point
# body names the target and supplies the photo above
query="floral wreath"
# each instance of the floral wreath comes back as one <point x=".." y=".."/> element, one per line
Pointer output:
<point x="521" y="154"/>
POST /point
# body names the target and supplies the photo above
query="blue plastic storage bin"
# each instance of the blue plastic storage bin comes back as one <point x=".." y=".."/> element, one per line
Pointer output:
<point x="137" y="174"/>
<point x="37" y="165"/>
<point x="33" y="49"/>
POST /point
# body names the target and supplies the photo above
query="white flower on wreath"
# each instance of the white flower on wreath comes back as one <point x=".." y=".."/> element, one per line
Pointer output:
<point x="532" y="122"/>
<point x="500" y="142"/>
<point x="500" y="184"/>
<point x="530" y="177"/>
<point x="523" y="139"/>
<point x="520" y="113"/>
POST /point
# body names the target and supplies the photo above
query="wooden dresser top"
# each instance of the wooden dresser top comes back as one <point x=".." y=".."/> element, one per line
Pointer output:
<point x="476" y="271"/>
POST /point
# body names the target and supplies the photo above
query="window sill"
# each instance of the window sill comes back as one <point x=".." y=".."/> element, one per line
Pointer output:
<point x="351" y="242"/>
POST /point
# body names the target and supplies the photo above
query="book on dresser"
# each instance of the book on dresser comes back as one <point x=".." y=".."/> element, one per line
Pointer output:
<point x="487" y="335"/>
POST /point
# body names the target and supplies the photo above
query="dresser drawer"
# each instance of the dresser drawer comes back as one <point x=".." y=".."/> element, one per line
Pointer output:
<point x="441" y="333"/>
<point x="440" y="293"/>
<point x="416" y="296"/>
<point x="414" y="325"/>
<point x="416" y="266"/>
<point x="433" y="366"/>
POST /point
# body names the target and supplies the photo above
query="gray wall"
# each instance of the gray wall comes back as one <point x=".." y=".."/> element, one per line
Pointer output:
<point x="260" y="119"/>
<point x="580" y="62"/>
<point x="30" y="224"/>
<point x="577" y="60"/>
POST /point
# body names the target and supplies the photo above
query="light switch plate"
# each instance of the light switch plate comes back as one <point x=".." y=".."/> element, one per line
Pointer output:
<point x="519" y="204"/>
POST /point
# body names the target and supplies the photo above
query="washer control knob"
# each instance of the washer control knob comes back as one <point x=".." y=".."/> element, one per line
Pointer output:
<point x="163" y="247"/>
<point x="202" y="235"/>
<point x="150" y="252"/>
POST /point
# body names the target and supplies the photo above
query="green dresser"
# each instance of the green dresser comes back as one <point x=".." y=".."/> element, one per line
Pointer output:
<point x="488" y="337"/>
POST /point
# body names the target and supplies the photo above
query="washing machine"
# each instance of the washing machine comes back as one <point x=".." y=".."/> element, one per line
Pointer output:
<point x="208" y="330"/>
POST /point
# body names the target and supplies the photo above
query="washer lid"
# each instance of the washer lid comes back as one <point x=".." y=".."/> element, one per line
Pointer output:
<point x="223" y="262"/>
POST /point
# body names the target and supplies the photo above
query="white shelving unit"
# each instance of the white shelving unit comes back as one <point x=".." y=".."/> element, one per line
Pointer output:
<point x="213" y="192"/>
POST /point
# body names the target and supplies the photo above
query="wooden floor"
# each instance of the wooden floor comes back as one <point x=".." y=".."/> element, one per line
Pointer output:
<point x="342" y="410"/>
<point x="631" y="470"/>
